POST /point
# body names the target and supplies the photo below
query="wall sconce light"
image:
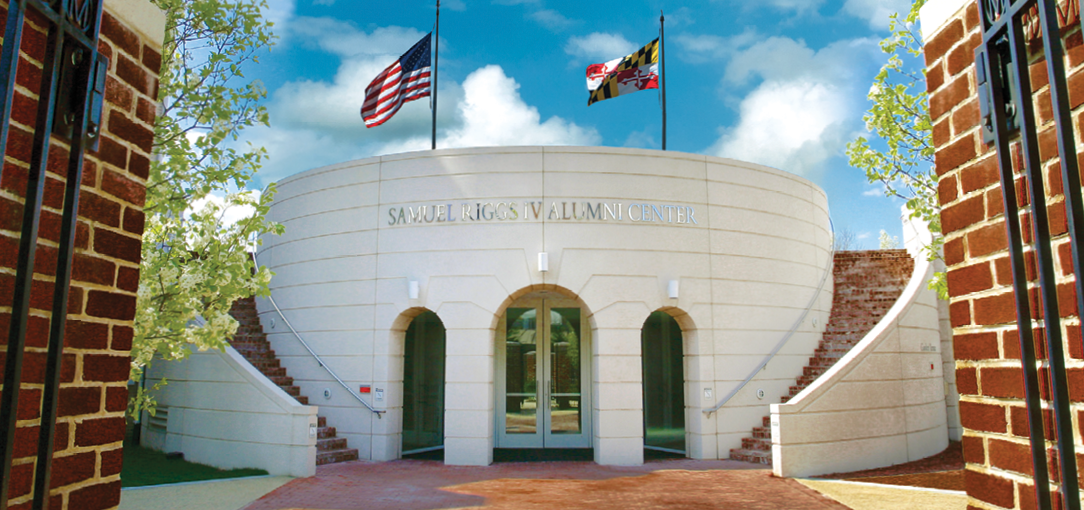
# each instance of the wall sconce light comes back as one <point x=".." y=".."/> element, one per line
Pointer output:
<point x="672" y="289"/>
<point x="413" y="290"/>
<point x="543" y="262"/>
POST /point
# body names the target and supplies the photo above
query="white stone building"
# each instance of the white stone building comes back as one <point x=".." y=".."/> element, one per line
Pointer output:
<point x="555" y="297"/>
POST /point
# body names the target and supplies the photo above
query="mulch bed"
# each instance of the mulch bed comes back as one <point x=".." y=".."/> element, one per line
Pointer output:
<point x="942" y="471"/>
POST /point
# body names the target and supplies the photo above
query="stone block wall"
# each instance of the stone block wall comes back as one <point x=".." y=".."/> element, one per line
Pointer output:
<point x="983" y="317"/>
<point x="105" y="274"/>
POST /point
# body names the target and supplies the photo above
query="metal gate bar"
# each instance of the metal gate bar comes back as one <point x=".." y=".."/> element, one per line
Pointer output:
<point x="74" y="23"/>
<point x="1004" y="19"/>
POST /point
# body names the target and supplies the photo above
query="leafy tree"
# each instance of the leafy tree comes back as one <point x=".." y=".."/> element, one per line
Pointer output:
<point x="900" y="118"/>
<point x="194" y="263"/>
<point x="889" y="242"/>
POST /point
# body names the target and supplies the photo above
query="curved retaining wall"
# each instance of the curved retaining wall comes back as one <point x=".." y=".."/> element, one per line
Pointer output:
<point x="219" y="410"/>
<point x="883" y="403"/>
<point x="747" y="244"/>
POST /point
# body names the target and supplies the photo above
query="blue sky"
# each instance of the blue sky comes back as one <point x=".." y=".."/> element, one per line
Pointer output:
<point x="777" y="82"/>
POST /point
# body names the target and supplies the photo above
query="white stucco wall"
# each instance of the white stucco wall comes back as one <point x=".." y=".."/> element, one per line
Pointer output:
<point x="884" y="402"/>
<point x="746" y="269"/>
<point x="220" y="411"/>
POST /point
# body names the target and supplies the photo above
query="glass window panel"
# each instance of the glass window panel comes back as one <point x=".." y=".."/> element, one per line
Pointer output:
<point x="521" y="386"/>
<point x="423" y="383"/>
<point x="664" y="383"/>
<point x="564" y="370"/>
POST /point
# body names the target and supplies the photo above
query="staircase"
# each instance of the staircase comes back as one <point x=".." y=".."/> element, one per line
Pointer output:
<point x="867" y="284"/>
<point x="251" y="342"/>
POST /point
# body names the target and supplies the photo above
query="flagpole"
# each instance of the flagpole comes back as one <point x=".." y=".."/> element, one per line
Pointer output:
<point x="662" y="73"/>
<point x="436" y="55"/>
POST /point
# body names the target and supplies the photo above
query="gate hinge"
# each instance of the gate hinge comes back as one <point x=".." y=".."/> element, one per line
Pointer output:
<point x="1007" y="74"/>
<point x="74" y="72"/>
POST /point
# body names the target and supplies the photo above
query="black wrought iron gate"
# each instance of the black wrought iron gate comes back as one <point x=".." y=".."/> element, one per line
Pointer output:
<point x="1005" y="99"/>
<point x="69" y="106"/>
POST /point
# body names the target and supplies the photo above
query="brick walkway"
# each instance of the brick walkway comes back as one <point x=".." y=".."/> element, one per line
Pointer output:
<point x="414" y="484"/>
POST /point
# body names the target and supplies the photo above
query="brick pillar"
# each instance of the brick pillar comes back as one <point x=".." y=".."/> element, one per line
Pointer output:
<point x="105" y="274"/>
<point x="983" y="316"/>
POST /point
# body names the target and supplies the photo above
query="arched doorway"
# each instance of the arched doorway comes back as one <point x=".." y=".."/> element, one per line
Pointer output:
<point x="543" y="374"/>
<point x="664" y="384"/>
<point x="423" y="385"/>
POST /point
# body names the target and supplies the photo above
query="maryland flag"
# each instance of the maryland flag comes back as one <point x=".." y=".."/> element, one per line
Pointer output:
<point x="638" y="71"/>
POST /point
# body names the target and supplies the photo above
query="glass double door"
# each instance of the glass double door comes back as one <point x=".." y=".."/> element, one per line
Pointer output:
<point x="543" y="377"/>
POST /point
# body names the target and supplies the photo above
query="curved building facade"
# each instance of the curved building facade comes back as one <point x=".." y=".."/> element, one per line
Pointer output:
<point x="547" y="297"/>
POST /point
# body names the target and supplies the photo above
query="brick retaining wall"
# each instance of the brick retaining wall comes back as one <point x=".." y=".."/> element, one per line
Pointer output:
<point x="982" y="309"/>
<point x="105" y="274"/>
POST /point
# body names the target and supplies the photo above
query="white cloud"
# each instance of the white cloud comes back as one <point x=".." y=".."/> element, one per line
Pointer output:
<point x="599" y="47"/>
<point x="713" y="48"/>
<point x="804" y="109"/>
<point x="455" y="5"/>
<point x="641" y="140"/>
<point x="790" y="125"/>
<point x="795" y="5"/>
<point x="777" y="58"/>
<point x="280" y="13"/>
<point x="323" y="2"/>
<point x="345" y="40"/>
<point x="876" y="12"/>
<point x="552" y="20"/>
<point x="680" y="17"/>
<point x="493" y="113"/>
<point x="875" y="192"/>
<point x="316" y="122"/>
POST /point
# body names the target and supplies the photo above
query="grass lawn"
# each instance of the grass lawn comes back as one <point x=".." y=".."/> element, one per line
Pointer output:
<point x="143" y="466"/>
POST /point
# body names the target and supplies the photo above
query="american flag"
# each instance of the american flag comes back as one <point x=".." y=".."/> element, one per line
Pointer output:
<point x="405" y="80"/>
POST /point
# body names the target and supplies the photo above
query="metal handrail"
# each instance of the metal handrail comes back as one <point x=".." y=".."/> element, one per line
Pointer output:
<point x="315" y="356"/>
<point x="783" y="341"/>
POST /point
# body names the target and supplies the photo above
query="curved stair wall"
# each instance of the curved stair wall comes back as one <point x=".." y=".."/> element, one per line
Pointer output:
<point x="882" y="404"/>
<point x="221" y="411"/>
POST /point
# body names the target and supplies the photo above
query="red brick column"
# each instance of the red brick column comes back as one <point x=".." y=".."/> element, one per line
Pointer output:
<point x="982" y="308"/>
<point x="105" y="274"/>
